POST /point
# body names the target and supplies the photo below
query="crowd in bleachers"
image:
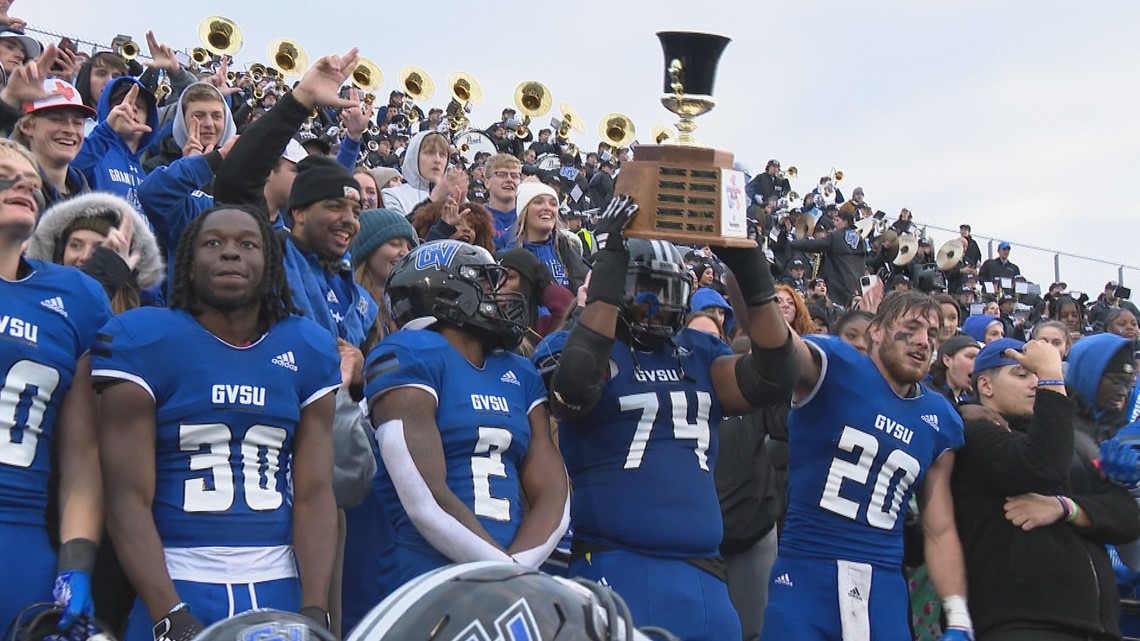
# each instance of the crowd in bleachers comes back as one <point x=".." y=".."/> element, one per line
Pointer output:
<point x="131" y="171"/>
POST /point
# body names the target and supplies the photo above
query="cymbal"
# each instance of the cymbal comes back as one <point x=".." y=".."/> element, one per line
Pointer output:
<point x="865" y="227"/>
<point x="949" y="254"/>
<point x="908" y="248"/>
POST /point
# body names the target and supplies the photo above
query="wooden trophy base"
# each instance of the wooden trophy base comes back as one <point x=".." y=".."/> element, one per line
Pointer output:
<point x="687" y="195"/>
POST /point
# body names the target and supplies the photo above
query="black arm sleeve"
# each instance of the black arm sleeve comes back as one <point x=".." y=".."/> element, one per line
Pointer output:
<point x="579" y="380"/>
<point x="768" y="376"/>
<point x="813" y="245"/>
<point x="241" y="178"/>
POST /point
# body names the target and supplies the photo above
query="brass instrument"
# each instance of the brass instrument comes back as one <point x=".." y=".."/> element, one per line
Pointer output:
<point x="258" y="93"/>
<point x="662" y="134"/>
<point x="373" y="146"/>
<point x="129" y="50"/>
<point x="570" y="121"/>
<point x="289" y="57"/>
<point x="533" y="100"/>
<point x="792" y="172"/>
<point x="257" y="72"/>
<point x="367" y="77"/>
<point x="617" y="130"/>
<point x="231" y="76"/>
<point x="220" y="36"/>
<point x="417" y="86"/>
<point x="163" y="89"/>
<point x="465" y="91"/>
<point x="199" y="56"/>
<point x="836" y="174"/>
<point x="374" y="131"/>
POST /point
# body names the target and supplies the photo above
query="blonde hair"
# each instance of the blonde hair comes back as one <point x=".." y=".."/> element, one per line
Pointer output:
<point x="500" y="161"/>
<point x="520" y="221"/>
<point x="13" y="149"/>
<point x="434" y="141"/>
<point x="383" y="325"/>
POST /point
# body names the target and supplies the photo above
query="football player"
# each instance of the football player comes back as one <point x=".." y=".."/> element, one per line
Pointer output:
<point x="48" y="319"/>
<point x="863" y="436"/>
<point x="215" y="436"/>
<point x="470" y="470"/>
<point x="639" y="399"/>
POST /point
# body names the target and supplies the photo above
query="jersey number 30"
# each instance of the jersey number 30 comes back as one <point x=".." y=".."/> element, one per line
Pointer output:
<point x="260" y="463"/>
<point x="882" y="511"/>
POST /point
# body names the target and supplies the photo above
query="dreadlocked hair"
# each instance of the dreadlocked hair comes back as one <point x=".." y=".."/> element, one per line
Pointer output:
<point x="276" y="299"/>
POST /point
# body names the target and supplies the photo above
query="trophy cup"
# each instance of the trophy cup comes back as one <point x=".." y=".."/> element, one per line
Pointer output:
<point x="688" y="193"/>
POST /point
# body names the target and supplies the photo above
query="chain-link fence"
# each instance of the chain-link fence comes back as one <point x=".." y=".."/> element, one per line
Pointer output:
<point x="1045" y="266"/>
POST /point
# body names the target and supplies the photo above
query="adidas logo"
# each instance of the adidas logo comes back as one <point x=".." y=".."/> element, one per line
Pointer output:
<point x="784" y="580"/>
<point x="854" y="594"/>
<point x="510" y="377"/>
<point x="55" y="304"/>
<point x="331" y="297"/>
<point x="285" y="360"/>
<point x="603" y="582"/>
<point x="931" y="420"/>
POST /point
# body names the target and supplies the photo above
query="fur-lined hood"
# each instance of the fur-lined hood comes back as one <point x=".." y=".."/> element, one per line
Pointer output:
<point x="150" y="271"/>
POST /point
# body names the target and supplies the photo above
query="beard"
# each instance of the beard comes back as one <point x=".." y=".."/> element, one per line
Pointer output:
<point x="893" y="357"/>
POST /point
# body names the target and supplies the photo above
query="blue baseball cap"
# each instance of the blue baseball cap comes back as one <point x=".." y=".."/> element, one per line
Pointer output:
<point x="993" y="355"/>
<point x="1003" y="245"/>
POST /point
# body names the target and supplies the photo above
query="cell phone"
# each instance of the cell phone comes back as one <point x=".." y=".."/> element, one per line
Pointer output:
<point x="65" y="43"/>
<point x="1122" y="292"/>
<point x="867" y="282"/>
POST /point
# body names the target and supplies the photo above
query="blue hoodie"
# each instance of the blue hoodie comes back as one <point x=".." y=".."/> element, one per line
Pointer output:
<point x="1088" y="359"/>
<point x="977" y="325"/>
<point x="708" y="297"/>
<point x="106" y="160"/>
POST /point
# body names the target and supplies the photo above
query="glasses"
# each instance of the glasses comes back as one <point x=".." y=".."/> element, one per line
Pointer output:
<point x="503" y="175"/>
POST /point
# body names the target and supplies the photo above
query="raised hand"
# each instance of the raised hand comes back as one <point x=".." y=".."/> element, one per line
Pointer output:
<point x="26" y="82"/>
<point x="1039" y="357"/>
<point x="125" y="119"/>
<point x="193" y="146"/>
<point x="12" y="22"/>
<point x="612" y="223"/>
<point x="220" y="81"/>
<point x="162" y="56"/>
<point x="119" y="240"/>
<point x="320" y="86"/>
<point x="63" y="66"/>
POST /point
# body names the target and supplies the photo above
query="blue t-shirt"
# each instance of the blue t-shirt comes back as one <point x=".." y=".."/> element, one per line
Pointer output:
<point x="482" y="416"/>
<point x="225" y="420"/>
<point x="547" y="256"/>
<point x="641" y="463"/>
<point x="504" y="222"/>
<point x="48" y="320"/>
<point x="856" y="453"/>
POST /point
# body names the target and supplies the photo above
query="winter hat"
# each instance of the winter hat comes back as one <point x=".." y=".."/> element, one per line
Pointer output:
<point x="528" y="191"/>
<point x="378" y="226"/>
<point x="977" y="325"/>
<point x="382" y="175"/>
<point x="320" y="178"/>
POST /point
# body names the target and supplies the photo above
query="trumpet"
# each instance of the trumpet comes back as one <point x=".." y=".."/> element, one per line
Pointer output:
<point x="231" y="76"/>
<point x="289" y="57"/>
<point x="373" y="146"/>
<point x="662" y="134"/>
<point x="258" y="93"/>
<point x="374" y="131"/>
<point x="792" y="172"/>
<point x="220" y="36"/>
<point x="199" y="56"/>
<point x="162" y="90"/>
<point x="129" y="50"/>
<point x="836" y="174"/>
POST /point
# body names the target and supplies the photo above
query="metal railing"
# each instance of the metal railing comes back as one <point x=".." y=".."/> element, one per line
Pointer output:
<point x="1044" y="266"/>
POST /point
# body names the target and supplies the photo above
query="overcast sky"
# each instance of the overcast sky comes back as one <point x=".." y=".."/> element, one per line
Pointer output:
<point x="1020" y="118"/>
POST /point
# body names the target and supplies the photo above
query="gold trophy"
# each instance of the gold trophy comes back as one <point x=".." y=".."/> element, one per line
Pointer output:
<point x="688" y="193"/>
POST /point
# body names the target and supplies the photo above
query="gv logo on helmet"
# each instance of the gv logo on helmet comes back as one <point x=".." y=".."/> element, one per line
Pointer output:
<point x="436" y="255"/>
<point x="515" y="624"/>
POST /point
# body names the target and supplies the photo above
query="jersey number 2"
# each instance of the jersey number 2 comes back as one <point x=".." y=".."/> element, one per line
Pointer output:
<point x="27" y="389"/>
<point x="649" y="405"/>
<point x="260" y="462"/>
<point x="487" y="461"/>
<point x="882" y="512"/>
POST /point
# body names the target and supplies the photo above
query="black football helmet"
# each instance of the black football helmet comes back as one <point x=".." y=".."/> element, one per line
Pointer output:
<point x="657" y="286"/>
<point x="491" y="601"/>
<point x="459" y="283"/>
<point x="265" y="625"/>
<point x="40" y="622"/>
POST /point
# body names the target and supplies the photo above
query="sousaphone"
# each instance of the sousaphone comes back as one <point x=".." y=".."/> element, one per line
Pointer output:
<point x="908" y="249"/>
<point x="949" y="254"/>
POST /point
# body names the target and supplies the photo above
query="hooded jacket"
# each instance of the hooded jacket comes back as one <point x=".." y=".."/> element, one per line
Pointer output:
<point x="1056" y="577"/>
<point x="46" y="243"/>
<point x="977" y="325"/>
<point x="416" y="188"/>
<point x="1088" y="359"/>
<point x="106" y="160"/>
<point x="708" y="297"/>
<point x="170" y="117"/>
<point x="172" y="196"/>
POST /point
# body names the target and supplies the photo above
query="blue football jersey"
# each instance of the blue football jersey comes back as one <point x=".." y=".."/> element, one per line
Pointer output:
<point x="641" y="463"/>
<point x="225" y="419"/>
<point x="856" y="453"/>
<point x="482" y="416"/>
<point x="48" y="320"/>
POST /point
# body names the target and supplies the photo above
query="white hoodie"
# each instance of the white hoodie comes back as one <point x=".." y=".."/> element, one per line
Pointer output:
<point x="416" y="188"/>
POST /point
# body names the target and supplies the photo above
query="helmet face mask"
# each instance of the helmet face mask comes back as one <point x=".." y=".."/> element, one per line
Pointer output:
<point x="457" y="283"/>
<point x="657" y="287"/>
<point x="40" y="622"/>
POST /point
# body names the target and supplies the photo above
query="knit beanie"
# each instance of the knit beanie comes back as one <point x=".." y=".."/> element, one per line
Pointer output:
<point x="528" y="191"/>
<point x="378" y="226"/>
<point x="977" y="325"/>
<point x="320" y="178"/>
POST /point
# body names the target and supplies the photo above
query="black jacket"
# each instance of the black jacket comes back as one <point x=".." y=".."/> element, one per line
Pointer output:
<point x="1056" y="576"/>
<point x="843" y="262"/>
<point x="749" y="488"/>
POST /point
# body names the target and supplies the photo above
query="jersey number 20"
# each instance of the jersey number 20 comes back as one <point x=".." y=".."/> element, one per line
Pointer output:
<point x="882" y="511"/>
<point x="27" y="389"/>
